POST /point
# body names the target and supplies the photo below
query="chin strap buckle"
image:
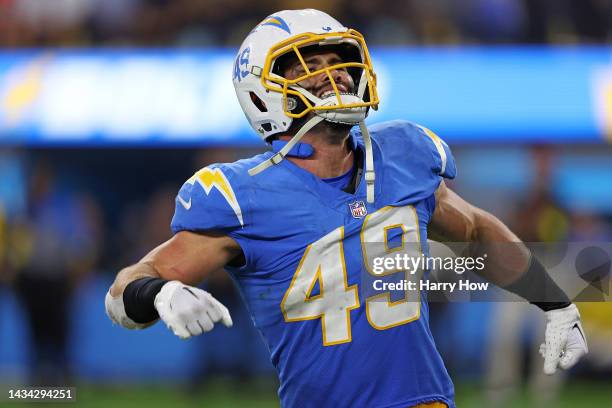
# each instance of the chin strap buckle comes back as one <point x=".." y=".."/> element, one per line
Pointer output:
<point x="370" y="176"/>
<point x="369" y="179"/>
<point x="277" y="158"/>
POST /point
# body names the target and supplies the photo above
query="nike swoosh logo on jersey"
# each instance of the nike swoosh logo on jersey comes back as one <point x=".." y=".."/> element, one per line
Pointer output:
<point x="186" y="204"/>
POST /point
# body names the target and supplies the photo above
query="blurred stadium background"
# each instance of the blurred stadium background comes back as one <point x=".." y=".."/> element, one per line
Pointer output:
<point x="106" y="107"/>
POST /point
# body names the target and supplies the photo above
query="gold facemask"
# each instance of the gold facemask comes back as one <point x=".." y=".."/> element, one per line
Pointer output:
<point x="276" y="83"/>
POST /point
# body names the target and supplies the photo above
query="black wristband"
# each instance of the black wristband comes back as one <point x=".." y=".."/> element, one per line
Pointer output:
<point x="139" y="299"/>
<point x="536" y="286"/>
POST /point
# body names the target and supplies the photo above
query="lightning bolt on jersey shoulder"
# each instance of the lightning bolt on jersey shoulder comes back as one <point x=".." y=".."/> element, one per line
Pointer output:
<point x="208" y="201"/>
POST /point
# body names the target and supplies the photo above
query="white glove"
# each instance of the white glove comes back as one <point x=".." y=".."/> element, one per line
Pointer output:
<point x="189" y="311"/>
<point x="565" y="342"/>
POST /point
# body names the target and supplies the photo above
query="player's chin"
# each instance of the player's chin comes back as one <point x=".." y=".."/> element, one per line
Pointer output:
<point x="339" y="128"/>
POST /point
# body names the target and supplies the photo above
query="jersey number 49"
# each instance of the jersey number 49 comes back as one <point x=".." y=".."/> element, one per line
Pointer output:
<point x="323" y="263"/>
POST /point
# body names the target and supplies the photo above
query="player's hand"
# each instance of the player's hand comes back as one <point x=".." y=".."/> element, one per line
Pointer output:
<point x="189" y="311"/>
<point x="565" y="342"/>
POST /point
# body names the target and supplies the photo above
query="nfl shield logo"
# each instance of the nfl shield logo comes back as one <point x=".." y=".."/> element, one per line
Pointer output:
<point x="358" y="209"/>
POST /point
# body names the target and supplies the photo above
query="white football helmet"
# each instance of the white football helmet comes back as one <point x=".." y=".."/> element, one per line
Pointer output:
<point x="271" y="102"/>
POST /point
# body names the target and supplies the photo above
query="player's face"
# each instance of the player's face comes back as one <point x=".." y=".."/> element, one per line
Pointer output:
<point x="320" y="84"/>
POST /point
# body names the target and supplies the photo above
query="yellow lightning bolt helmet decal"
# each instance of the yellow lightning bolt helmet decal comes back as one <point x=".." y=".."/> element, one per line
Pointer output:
<point x="209" y="178"/>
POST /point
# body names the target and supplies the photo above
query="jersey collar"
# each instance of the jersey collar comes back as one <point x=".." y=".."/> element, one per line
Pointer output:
<point x="300" y="150"/>
<point x="331" y="196"/>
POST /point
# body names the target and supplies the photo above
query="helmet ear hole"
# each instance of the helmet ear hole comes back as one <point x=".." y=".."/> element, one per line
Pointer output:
<point x="259" y="104"/>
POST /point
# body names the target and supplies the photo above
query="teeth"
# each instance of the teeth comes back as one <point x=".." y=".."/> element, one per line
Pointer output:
<point x="327" y="93"/>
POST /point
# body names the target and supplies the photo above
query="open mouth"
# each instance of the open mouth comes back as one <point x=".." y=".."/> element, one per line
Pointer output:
<point x="330" y="91"/>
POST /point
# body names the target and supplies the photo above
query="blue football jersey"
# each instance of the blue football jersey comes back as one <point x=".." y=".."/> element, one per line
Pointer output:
<point x="305" y="245"/>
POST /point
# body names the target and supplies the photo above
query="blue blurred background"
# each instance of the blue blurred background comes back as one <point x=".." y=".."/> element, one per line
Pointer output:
<point x="106" y="107"/>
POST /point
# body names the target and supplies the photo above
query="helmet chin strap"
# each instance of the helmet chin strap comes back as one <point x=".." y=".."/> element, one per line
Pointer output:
<point x="369" y="162"/>
<point x="278" y="157"/>
<point x="369" y="157"/>
<point x="349" y="118"/>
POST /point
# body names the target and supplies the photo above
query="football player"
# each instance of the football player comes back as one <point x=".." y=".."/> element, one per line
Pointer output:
<point x="292" y="227"/>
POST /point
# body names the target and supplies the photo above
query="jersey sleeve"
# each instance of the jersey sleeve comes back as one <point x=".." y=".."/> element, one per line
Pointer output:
<point x="443" y="161"/>
<point x="209" y="201"/>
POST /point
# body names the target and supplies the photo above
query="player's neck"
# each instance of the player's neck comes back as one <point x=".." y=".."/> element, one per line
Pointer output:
<point x="329" y="159"/>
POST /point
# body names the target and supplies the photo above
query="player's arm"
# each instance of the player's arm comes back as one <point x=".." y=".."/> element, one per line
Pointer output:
<point x="158" y="285"/>
<point x="455" y="220"/>
<point x="511" y="266"/>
